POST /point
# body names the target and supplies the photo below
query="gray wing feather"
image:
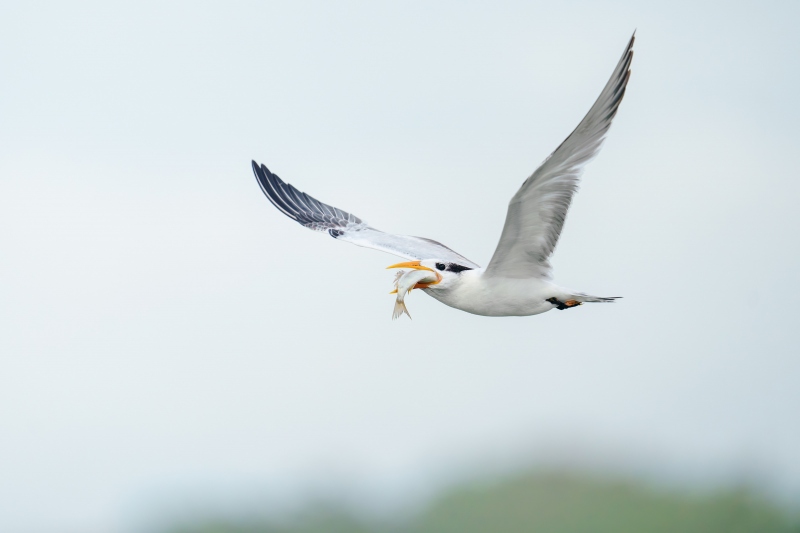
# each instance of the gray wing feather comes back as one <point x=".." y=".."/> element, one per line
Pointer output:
<point x="344" y="226"/>
<point x="537" y="211"/>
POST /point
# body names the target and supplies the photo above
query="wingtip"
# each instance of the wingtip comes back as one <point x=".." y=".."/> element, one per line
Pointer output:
<point x="262" y="173"/>
<point x="629" y="48"/>
<point x="256" y="169"/>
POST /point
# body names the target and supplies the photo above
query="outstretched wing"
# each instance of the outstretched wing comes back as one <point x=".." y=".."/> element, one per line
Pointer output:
<point x="536" y="213"/>
<point x="343" y="226"/>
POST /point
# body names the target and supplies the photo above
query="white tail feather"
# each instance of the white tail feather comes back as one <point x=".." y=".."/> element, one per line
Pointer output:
<point x="588" y="298"/>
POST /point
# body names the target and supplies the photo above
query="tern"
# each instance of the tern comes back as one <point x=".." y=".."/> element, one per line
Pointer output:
<point x="518" y="279"/>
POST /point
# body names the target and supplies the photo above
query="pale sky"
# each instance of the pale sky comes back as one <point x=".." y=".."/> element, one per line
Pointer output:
<point x="168" y="338"/>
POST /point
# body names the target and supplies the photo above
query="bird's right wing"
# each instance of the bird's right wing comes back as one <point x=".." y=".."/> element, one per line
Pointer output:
<point x="343" y="226"/>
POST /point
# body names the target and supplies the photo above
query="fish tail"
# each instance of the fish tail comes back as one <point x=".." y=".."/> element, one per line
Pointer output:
<point x="399" y="309"/>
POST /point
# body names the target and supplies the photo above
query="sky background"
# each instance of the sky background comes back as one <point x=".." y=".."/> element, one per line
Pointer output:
<point x="169" y="340"/>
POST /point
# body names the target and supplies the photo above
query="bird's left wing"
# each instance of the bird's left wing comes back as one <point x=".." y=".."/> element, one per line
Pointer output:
<point x="343" y="226"/>
<point x="536" y="213"/>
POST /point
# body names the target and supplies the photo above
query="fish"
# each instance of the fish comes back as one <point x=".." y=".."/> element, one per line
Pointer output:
<point x="404" y="282"/>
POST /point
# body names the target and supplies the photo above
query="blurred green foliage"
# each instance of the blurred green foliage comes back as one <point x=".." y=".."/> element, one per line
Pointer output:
<point x="546" y="503"/>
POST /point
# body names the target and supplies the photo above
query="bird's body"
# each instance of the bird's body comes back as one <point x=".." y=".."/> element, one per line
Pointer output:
<point x="483" y="295"/>
<point x="517" y="281"/>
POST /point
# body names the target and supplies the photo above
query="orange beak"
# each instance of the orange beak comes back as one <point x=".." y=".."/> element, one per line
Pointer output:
<point x="410" y="264"/>
<point x="416" y="266"/>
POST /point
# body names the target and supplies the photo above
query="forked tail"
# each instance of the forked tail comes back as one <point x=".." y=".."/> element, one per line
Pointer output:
<point x="587" y="298"/>
<point x="577" y="299"/>
<point x="399" y="309"/>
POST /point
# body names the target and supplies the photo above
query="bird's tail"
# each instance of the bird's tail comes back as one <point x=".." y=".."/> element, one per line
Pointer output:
<point x="588" y="298"/>
<point x="399" y="309"/>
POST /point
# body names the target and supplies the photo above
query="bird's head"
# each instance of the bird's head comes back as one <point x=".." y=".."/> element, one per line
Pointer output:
<point x="447" y="273"/>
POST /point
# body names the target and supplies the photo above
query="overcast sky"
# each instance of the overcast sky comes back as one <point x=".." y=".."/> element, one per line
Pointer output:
<point x="168" y="336"/>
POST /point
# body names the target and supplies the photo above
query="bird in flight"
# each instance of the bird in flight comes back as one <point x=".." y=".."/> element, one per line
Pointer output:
<point x="518" y="279"/>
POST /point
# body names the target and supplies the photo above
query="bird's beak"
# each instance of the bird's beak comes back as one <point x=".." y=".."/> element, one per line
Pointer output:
<point x="416" y="266"/>
<point x="410" y="264"/>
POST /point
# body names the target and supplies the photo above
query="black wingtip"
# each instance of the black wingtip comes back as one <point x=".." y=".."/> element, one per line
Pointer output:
<point x="262" y="175"/>
<point x="257" y="171"/>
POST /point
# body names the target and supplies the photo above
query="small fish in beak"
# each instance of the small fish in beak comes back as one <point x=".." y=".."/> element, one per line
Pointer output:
<point x="404" y="282"/>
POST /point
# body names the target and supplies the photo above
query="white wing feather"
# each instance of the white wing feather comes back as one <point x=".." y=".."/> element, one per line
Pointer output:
<point x="343" y="226"/>
<point x="536" y="213"/>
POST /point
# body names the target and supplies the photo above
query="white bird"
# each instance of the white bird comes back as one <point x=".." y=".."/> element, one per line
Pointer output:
<point x="517" y="280"/>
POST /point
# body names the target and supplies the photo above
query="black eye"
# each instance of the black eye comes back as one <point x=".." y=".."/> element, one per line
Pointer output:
<point x="440" y="266"/>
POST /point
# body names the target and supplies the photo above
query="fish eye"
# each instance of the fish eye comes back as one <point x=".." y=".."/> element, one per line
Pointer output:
<point x="440" y="266"/>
